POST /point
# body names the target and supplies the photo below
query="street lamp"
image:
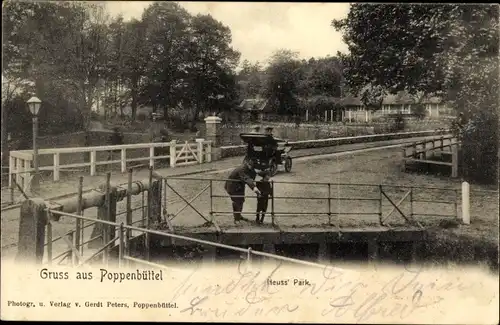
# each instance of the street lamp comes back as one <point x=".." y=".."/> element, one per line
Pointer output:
<point x="34" y="106"/>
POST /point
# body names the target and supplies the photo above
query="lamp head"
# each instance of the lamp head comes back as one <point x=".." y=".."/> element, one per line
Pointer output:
<point x="34" y="105"/>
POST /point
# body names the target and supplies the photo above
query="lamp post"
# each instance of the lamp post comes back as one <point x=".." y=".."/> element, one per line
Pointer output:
<point x="34" y="106"/>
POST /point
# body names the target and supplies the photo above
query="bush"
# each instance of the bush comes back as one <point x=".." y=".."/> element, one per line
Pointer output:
<point x="480" y="149"/>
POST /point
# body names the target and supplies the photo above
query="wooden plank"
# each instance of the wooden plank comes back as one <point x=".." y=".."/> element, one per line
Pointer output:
<point x="428" y="161"/>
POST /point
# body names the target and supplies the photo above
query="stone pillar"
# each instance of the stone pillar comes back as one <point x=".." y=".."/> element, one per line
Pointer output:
<point x="32" y="222"/>
<point x="214" y="134"/>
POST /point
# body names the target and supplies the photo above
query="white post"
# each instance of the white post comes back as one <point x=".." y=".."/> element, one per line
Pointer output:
<point x="199" y="149"/>
<point x="173" y="152"/>
<point x="326" y="116"/>
<point x="92" y="162"/>
<point x="17" y="163"/>
<point x="349" y="115"/>
<point x="12" y="166"/>
<point x="465" y="203"/>
<point x="366" y="116"/>
<point x="152" y="156"/>
<point x="307" y="115"/>
<point x="56" y="166"/>
<point x="331" y="115"/>
<point x="124" y="160"/>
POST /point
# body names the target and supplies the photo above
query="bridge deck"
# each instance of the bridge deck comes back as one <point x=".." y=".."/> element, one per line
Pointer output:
<point x="249" y="233"/>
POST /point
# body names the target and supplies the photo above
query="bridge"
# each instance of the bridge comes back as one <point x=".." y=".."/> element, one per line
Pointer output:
<point x="164" y="213"/>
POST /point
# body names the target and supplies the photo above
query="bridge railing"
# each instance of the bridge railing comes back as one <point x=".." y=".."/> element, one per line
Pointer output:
<point x="334" y="201"/>
<point x="122" y="242"/>
<point x="57" y="160"/>
<point x="421" y="152"/>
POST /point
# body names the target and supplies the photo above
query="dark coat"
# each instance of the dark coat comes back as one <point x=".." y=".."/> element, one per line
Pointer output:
<point x="243" y="176"/>
<point x="264" y="188"/>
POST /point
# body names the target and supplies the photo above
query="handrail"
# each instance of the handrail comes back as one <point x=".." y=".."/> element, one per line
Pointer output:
<point x="199" y="241"/>
<point x="309" y="183"/>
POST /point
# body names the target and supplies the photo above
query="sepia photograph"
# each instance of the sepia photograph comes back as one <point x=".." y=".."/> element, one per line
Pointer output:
<point x="250" y="162"/>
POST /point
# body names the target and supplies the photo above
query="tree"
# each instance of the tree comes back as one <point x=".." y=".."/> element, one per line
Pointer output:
<point x="67" y="51"/>
<point x="282" y="87"/>
<point x="166" y="27"/>
<point x="211" y="62"/>
<point x="445" y="50"/>
<point x="251" y="80"/>
<point x="321" y="77"/>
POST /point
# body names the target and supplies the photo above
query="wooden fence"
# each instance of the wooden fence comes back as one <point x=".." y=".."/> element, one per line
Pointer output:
<point x="176" y="154"/>
<point x="423" y="151"/>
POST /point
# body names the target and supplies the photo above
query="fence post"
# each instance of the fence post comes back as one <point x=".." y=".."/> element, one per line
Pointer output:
<point x="272" y="202"/>
<point x="173" y="152"/>
<point x="442" y="143"/>
<point x="380" y="204"/>
<point x="32" y="222"/>
<point x="465" y="203"/>
<point x="56" y="166"/>
<point x="151" y="156"/>
<point x="329" y="204"/>
<point x="128" y="218"/>
<point x="199" y="149"/>
<point x="123" y="159"/>
<point x="18" y="172"/>
<point x="26" y="178"/>
<point x="411" y="202"/>
<point x="414" y="146"/>
<point x="71" y="256"/>
<point x="120" y="247"/>
<point x="49" y="242"/>
<point x="78" y="230"/>
<point x="107" y="212"/>
<point x="12" y="164"/>
<point x="11" y="187"/>
<point x="155" y="198"/>
<point x="211" y="202"/>
<point x="454" y="160"/>
<point x="92" y="162"/>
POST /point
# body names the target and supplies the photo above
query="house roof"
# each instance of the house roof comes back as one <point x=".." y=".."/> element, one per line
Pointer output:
<point x="253" y="104"/>
<point x="403" y="97"/>
<point x="350" y="100"/>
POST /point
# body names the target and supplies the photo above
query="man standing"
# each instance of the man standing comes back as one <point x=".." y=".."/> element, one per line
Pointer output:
<point x="235" y="186"/>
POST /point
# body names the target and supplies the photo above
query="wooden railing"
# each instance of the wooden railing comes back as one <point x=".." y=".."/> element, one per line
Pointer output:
<point x="177" y="154"/>
<point x="421" y="152"/>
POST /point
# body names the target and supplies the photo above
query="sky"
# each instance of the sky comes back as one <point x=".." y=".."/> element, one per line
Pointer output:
<point x="258" y="29"/>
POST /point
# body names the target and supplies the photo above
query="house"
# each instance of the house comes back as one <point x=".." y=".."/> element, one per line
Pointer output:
<point x="406" y="104"/>
<point x="401" y="102"/>
<point x="252" y="109"/>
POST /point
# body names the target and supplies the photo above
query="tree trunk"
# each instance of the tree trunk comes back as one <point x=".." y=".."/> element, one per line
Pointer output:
<point x="5" y="145"/>
<point x="135" y="93"/>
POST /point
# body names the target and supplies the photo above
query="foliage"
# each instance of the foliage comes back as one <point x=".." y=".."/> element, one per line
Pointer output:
<point x="283" y="75"/>
<point x="164" y="59"/>
<point x="445" y="50"/>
